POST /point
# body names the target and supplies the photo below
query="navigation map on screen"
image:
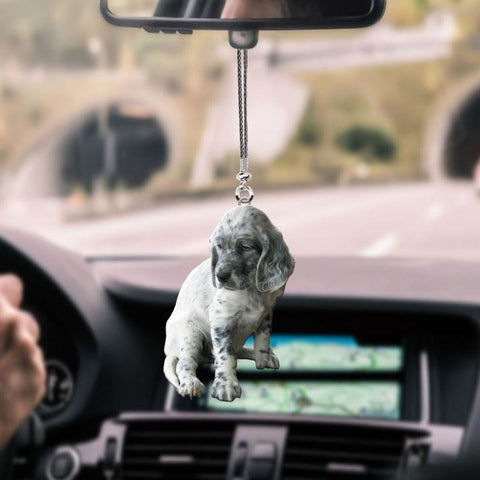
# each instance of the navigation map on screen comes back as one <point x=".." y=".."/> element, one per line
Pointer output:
<point x="351" y="399"/>
<point x="327" y="353"/>
<point x="319" y="353"/>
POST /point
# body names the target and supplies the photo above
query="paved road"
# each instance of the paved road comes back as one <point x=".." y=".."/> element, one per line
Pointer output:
<point x="417" y="220"/>
<point x="381" y="44"/>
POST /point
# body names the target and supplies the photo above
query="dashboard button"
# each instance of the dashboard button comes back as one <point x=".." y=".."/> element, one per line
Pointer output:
<point x="110" y="454"/>
<point x="264" y="451"/>
<point x="239" y="460"/>
<point x="262" y="461"/>
<point x="63" y="465"/>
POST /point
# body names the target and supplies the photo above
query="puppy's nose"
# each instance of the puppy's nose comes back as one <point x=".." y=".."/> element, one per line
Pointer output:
<point x="223" y="276"/>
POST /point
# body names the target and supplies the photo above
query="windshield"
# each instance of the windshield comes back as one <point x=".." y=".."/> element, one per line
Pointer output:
<point x="365" y="143"/>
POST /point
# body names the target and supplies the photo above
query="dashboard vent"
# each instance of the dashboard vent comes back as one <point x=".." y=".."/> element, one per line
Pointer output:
<point x="177" y="449"/>
<point x="320" y="452"/>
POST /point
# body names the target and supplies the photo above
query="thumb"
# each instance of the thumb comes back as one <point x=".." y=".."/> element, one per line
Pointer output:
<point x="11" y="289"/>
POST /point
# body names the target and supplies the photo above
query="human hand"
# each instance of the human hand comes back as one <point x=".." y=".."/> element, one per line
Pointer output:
<point x="22" y="370"/>
<point x="253" y="9"/>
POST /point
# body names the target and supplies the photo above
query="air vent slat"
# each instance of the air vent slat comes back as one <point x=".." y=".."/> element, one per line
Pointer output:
<point x="139" y="475"/>
<point x="175" y="450"/>
<point x="332" y="454"/>
<point x="312" y="440"/>
<point x="343" y="452"/>
<point x="152" y="462"/>
<point x="169" y="435"/>
<point x="308" y="468"/>
<point x="159" y="448"/>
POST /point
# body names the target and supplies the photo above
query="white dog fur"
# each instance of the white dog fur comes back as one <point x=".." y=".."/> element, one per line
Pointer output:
<point x="226" y="299"/>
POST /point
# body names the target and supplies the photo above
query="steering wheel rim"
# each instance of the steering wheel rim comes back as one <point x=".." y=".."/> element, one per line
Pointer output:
<point x="31" y="434"/>
<point x="6" y="458"/>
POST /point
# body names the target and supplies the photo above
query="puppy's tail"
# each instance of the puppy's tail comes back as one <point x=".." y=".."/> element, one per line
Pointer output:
<point x="169" y="368"/>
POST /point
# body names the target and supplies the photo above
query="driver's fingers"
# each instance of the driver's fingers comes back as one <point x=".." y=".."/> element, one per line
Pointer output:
<point x="12" y="321"/>
<point x="11" y="289"/>
<point x="30" y="324"/>
<point x="25" y="359"/>
<point x="30" y="359"/>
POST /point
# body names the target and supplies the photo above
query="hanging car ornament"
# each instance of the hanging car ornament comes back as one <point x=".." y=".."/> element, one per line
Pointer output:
<point x="231" y="296"/>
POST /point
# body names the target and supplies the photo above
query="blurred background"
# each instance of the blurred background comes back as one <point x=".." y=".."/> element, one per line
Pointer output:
<point x="115" y="141"/>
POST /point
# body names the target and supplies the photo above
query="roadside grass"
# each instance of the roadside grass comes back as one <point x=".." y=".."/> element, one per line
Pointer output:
<point x="397" y="99"/>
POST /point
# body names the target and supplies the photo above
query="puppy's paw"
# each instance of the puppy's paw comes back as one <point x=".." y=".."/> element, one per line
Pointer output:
<point x="266" y="359"/>
<point x="192" y="387"/>
<point x="226" y="389"/>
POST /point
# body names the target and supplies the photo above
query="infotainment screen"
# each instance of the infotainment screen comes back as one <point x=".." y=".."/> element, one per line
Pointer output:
<point x="362" y="380"/>
<point x="352" y="399"/>
<point x="329" y="353"/>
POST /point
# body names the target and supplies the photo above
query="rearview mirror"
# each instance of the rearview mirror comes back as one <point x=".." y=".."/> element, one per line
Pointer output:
<point x="241" y="15"/>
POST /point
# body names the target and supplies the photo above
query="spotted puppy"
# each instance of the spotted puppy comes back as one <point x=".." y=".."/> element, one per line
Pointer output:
<point x="226" y="299"/>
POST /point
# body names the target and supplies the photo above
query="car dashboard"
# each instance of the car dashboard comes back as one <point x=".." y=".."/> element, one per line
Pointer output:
<point x="379" y="372"/>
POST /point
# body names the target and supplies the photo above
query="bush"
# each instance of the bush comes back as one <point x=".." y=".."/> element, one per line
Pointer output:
<point x="371" y="143"/>
<point x="309" y="133"/>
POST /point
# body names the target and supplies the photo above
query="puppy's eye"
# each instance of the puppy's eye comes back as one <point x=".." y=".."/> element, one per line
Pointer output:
<point x="245" y="247"/>
<point x="219" y="246"/>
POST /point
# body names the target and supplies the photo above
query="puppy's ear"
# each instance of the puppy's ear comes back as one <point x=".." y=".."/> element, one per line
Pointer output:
<point x="214" y="260"/>
<point x="276" y="264"/>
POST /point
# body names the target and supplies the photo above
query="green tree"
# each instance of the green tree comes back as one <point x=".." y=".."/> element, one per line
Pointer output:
<point x="371" y="143"/>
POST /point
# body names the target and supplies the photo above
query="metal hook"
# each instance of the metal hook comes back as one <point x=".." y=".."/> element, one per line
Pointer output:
<point x="244" y="194"/>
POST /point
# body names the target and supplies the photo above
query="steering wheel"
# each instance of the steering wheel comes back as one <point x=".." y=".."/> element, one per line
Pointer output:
<point x="30" y="435"/>
<point x="6" y="459"/>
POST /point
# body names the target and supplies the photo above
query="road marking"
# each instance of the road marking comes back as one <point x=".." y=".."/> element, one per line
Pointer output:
<point x="435" y="211"/>
<point x="383" y="246"/>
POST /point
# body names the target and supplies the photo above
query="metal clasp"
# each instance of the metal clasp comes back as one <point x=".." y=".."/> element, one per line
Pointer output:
<point x="244" y="194"/>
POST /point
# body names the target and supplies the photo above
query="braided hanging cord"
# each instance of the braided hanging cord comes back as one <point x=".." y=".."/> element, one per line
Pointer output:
<point x="243" y="193"/>
<point x="242" y="64"/>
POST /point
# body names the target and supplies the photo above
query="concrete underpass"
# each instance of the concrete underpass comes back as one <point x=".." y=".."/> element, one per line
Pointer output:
<point x="462" y="142"/>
